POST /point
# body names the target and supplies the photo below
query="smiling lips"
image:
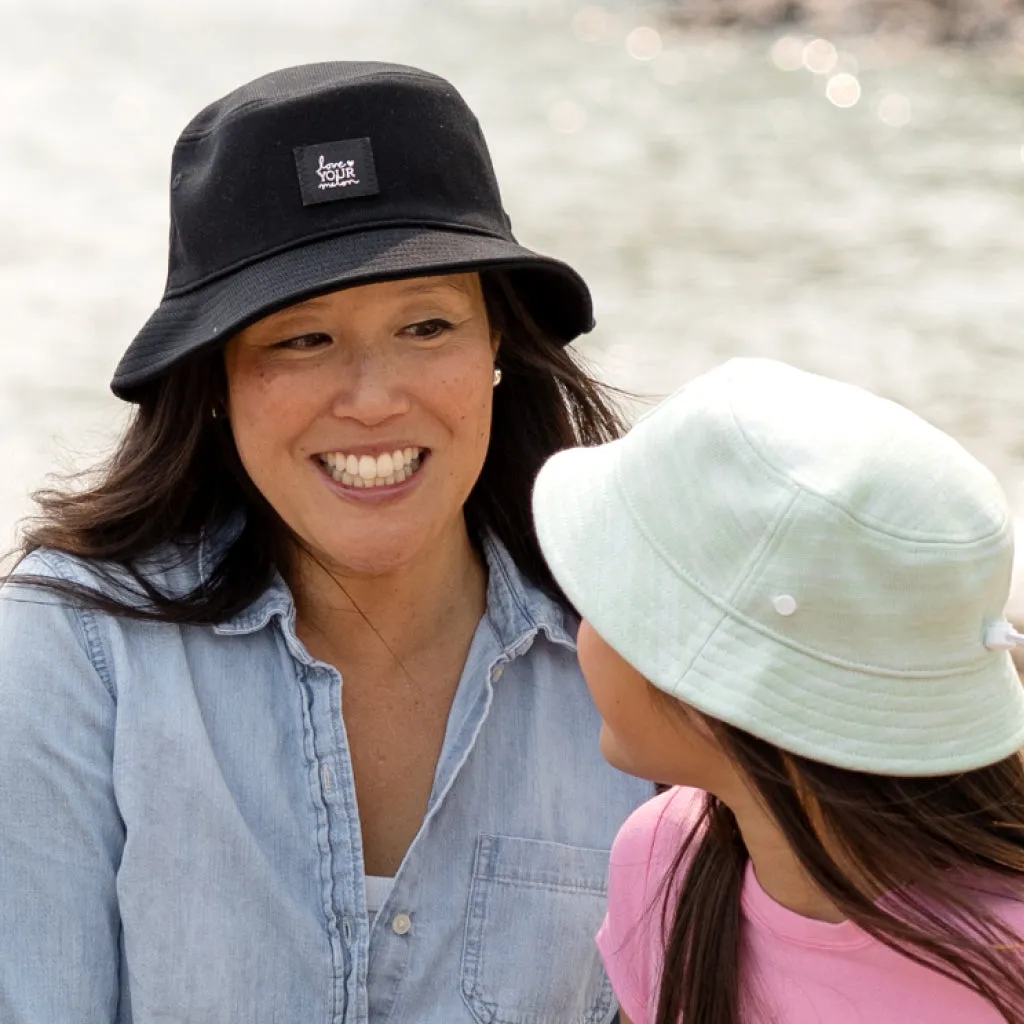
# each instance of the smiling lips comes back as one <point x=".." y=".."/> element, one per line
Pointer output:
<point x="372" y="471"/>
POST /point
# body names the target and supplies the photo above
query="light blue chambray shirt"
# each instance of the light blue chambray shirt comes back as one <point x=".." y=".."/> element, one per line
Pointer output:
<point x="179" y="841"/>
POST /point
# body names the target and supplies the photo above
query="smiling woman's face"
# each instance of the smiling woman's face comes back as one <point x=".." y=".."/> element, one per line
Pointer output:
<point x="363" y="416"/>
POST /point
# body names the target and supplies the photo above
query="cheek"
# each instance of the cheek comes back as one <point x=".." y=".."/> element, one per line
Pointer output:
<point x="639" y="734"/>
<point x="618" y="691"/>
<point x="646" y="741"/>
<point x="268" y="413"/>
<point x="461" y="396"/>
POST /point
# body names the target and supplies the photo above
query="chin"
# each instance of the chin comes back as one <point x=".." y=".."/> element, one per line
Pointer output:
<point x="619" y="756"/>
<point x="376" y="556"/>
<point x="613" y="753"/>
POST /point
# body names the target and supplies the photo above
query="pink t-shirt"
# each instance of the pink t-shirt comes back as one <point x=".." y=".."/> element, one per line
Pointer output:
<point x="806" y="971"/>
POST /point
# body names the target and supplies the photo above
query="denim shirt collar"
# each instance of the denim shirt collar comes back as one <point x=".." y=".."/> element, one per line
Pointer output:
<point x="516" y="607"/>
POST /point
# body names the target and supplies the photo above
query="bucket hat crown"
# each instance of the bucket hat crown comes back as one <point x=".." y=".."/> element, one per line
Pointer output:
<point x="802" y="559"/>
<point x="325" y="176"/>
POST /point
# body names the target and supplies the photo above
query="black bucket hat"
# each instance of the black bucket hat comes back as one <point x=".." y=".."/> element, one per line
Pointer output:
<point x="324" y="176"/>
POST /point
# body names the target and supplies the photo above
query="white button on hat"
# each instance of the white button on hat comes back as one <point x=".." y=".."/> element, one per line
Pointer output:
<point x="401" y="924"/>
<point x="784" y="604"/>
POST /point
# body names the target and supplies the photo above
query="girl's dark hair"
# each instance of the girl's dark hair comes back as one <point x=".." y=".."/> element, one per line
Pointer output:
<point x="934" y="846"/>
<point x="176" y="472"/>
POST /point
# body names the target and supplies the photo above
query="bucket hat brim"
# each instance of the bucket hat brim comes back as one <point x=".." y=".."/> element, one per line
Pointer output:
<point x="612" y="571"/>
<point x="185" y="323"/>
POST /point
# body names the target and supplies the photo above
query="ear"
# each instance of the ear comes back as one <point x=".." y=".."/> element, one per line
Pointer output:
<point x="495" y="343"/>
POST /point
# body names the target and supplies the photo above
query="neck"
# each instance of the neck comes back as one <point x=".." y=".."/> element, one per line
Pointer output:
<point x="398" y="616"/>
<point x="778" y="870"/>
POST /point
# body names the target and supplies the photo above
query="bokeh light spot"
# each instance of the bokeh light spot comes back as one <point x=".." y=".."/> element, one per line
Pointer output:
<point x="643" y="43"/>
<point x="843" y="90"/>
<point x="787" y="53"/>
<point x="820" y="56"/>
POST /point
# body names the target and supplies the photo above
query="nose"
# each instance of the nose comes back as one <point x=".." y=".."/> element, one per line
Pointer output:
<point x="371" y="389"/>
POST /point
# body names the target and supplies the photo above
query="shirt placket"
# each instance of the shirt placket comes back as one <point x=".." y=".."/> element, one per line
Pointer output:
<point x="396" y="931"/>
<point x="339" y="839"/>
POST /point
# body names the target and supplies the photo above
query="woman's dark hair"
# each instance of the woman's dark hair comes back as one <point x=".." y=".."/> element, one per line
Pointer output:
<point x="933" y="846"/>
<point x="176" y="473"/>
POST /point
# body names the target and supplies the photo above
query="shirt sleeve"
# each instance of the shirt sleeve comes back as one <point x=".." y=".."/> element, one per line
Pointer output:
<point x="629" y="937"/>
<point x="60" y="831"/>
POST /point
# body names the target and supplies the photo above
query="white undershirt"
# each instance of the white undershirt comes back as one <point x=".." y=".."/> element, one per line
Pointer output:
<point x="378" y="889"/>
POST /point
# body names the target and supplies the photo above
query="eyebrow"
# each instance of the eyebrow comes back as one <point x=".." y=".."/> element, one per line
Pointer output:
<point x="284" y="317"/>
<point x="410" y="287"/>
<point x="306" y="306"/>
<point x="413" y="286"/>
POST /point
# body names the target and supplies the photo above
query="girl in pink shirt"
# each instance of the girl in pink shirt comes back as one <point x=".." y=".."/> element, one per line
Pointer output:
<point x="793" y="593"/>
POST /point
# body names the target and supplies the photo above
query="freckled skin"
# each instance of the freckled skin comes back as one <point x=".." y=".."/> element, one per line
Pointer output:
<point x="391" y="364"/>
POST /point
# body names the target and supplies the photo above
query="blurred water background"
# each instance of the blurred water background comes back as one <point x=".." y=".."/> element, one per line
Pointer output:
<point x="852" y="205"/>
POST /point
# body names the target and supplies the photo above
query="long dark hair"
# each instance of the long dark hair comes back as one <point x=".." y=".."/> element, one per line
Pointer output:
<point x="176" y="473"/>
<point x="904" y="837"/>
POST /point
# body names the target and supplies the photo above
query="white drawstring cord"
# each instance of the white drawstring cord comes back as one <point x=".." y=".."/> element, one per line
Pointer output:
<point x="1001" y="636"/>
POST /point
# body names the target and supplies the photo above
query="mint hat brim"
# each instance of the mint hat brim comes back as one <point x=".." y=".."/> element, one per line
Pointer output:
<point x="735" y="670"/>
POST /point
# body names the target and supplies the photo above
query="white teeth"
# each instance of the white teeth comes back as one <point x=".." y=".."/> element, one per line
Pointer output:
<point x="367" y="471"/>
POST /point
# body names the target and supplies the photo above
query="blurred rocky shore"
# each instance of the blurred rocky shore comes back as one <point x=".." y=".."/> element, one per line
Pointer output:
<point x="926" y="21"/>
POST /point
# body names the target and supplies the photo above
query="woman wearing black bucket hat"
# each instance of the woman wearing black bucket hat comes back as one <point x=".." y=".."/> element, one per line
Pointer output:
<point x="291" y="727"/>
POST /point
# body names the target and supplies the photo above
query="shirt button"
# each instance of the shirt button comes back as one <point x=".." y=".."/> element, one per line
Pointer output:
<point x="498" y="673"/>
<point x="401" y="924"/>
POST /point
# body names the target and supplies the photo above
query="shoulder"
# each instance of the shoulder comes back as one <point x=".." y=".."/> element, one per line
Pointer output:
<point x="171" y="569"/>
<point x="48" y="639"/>
<point x="648" y="842"/>
<point x="1000" y="896"/>
<point x="631" y="938"/>
<point x="646" y="848"/>
<point x="45" y="579"/>
<point x="53" y="601"/>
<point x="652" y="834"/>
<point x="48" y="564"/>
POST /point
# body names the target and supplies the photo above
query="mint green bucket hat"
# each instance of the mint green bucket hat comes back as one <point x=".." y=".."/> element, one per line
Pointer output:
<point x="804" y="560"/>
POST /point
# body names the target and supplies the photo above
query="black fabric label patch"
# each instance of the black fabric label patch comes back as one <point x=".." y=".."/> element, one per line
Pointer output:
<point x="336" y="170"/>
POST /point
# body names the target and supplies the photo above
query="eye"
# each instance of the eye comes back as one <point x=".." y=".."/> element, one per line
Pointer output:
<point x="303" y="343"/>
<point x="426" y="330"/>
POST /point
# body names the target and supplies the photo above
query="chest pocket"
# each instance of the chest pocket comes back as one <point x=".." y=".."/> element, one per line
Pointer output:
<point x="529" y="955"/>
